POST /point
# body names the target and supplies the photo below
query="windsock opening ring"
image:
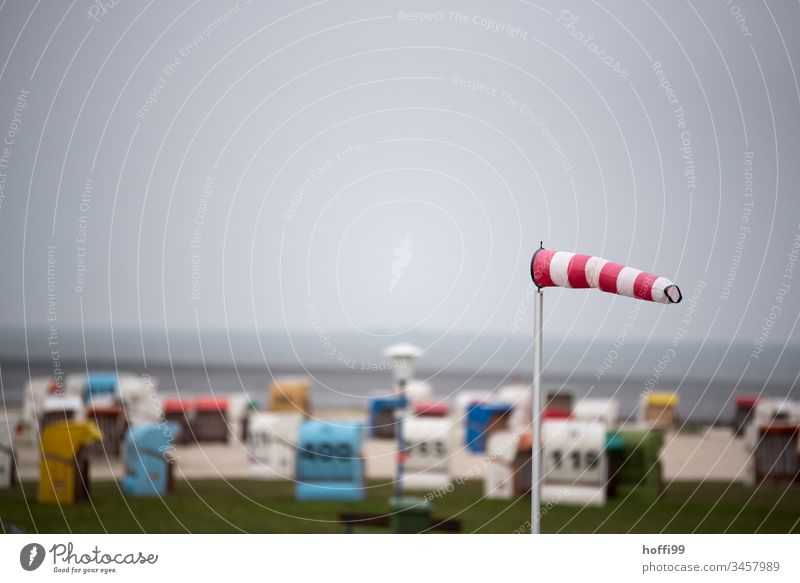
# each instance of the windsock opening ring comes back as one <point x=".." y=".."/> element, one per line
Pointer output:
<point x="533" y="272"/>
<point x="673" y="293"/>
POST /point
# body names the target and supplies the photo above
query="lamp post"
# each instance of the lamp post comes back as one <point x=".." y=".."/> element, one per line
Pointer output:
<point x="402" y="356"/>
<point x="572" y="270"/>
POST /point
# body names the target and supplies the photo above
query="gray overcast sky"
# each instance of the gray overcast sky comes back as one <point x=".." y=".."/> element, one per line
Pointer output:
<point x="381" y="167"/>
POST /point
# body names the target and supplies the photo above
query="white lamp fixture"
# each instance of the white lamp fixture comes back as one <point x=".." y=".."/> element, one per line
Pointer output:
<point x="402" y="355"/>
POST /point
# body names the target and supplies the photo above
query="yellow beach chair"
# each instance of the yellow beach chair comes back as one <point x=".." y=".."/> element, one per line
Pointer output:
<point x="661" y="410"/>
<point x="64" y="465"/>
<point x="290" y="395"/>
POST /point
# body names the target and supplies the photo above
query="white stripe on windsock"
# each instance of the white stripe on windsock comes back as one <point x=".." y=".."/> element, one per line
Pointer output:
<point x="593" y="267"/>
<point x="559" y="268"/>
<point x="657" y="292"/>
<point x="625" y="281"/>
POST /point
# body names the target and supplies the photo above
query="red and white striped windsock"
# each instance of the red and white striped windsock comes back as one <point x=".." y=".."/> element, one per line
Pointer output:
<point x="565" y="269"/>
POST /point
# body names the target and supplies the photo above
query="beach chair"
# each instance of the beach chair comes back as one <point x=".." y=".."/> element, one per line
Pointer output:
<point x="499" y="477"/>
<point x="520" y="397"/>
<point x="329" y="461"/>
<point x="8" y="472"/>
<point x="111" y="422"/>
<point x="574" y="462"/>
<point x="427" y="465"/>
<point x="430" y="409"/>
<point x="60" y="408"/>
<point x="139" y="397"/>
<point x="101" y="386"/>
<point x="743" y="413"/>
<point x="382" y="415"/>
<point x="769" y="411"/>
<point x="776" y="457"/>
<point x="148" y="466"/>
<point x="35" y="392"/>
<point x="64" y="464"/>
<point x="290" y="395"/>
<point x="659" y="410"/>
<point x="458" y="413"/>
<point x="482" y="419"/>
<point x="637" y="454"/>
<point x="240" y="408"/>
<point x="272" y="445"/>
<point x="179" y="412"/>
<point x="561" y="399"/>
<point x="210" y="419"/>
<point x="606" y="411"/>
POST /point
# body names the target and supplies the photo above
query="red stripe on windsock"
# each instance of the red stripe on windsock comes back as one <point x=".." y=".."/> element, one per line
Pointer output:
<point x="540" y="270"/>
<point x="643" y="286"/>
<point x="608" y="277"/>
<point x="576" y="272"/>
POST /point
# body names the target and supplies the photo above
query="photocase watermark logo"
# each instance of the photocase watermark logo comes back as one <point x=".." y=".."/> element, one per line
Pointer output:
<point x="402" y="257"/>
<point x="31" y="556"/>
<point x="65" y="558"/>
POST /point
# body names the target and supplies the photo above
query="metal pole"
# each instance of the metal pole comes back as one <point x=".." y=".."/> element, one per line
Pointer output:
<point x="401" y="444"/>
<point x="536" y="429"/>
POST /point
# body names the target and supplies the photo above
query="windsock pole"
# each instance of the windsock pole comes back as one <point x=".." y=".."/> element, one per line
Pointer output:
<point x="571" y="270"/>
<point x="536" y="428"/>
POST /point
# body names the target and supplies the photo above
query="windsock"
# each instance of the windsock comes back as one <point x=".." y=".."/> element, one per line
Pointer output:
<point x="564" y="269"/>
